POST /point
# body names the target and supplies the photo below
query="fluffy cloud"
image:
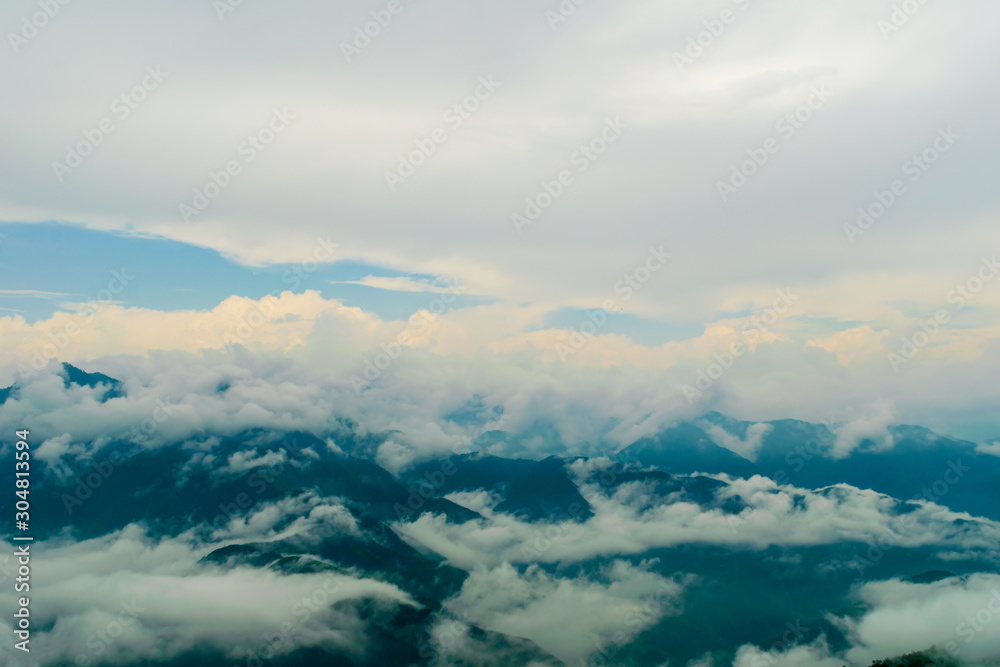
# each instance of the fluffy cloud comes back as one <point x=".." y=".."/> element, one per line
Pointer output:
<point x="960" y="616"/>
<point x="748" y="447"/>
<point x="616" y="388"/>
<point x="956" y="616"/>
<point x="126" y="597"/>
<point x="634" y="519"/>
<point x="816" y="654"/>
<point x="686" y="130"/>
<point x="305" y="515"/>
<point x="569" y="617"/>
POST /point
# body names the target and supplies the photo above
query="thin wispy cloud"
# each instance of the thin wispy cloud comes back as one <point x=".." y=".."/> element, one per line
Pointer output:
<point x="33" y="294"/>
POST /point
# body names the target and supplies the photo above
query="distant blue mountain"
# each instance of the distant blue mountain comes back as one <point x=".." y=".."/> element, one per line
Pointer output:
<point x="687" y="449"/>
<point x="919" y="465"/>
<point x="738" y="594"/>
<point x="532" y="490"/>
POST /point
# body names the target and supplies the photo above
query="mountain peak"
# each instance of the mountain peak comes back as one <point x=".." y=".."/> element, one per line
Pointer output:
<point x="75" y="376"/>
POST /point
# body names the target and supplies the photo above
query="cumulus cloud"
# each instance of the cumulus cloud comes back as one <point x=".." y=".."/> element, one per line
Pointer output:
<point x="618" y="393"/>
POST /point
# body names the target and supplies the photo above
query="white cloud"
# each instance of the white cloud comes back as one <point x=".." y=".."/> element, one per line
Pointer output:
<point x="960" y="616"/>
<point x="816" y="654"/>
<point x="481" y="351"/>
<point x="747" y="447"/>
<point x="956" y="616"/>
<point x="873" y="427"/>
<point x="170" y="604"/>
<point x="452" y="217"/>
<point x="400" y="284"/>
<point x="634" y="520"/>
<point x="991" y="449"/>
<point x="32" y="293"/>
<point x="569" y="617"/>
<point x="244" y="460"/>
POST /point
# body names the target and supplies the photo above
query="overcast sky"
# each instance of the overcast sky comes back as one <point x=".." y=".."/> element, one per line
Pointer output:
<point x="832" y="100"/>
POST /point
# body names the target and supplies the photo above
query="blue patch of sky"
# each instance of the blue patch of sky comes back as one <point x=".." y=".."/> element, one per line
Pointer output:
<point x="46" y="265"/>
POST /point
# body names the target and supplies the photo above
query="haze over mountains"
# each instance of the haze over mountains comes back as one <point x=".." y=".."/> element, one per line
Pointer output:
<point x="714" y="541"/>
<point x="489" y="334"/>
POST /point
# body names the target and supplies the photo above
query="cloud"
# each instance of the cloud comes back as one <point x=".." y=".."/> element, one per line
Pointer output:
<point x="305" y="515"/>
<point x="852" y="344"/>
<point x="634" y="519"/>
<point x="687" y="131"/>
<point x="569" y="617"/>
<point x="872" y="427"/>
<point x="328" y="170"/>
<point x="747" y="447"/>
<point x="398" y="284"/>
<point x="482" y="351"/>
<point x="816" y="654"/>
<point x="957" y="616"/>
<point x="246" y="460"/>
<point x="127" y="596"/>
<point x="32" y="293"/>
<point x="992" y="449"/>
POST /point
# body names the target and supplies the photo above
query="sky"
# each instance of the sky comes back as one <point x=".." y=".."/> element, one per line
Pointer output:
<point x="629" y="191"/>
